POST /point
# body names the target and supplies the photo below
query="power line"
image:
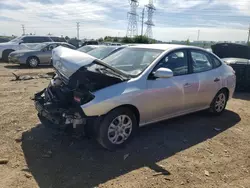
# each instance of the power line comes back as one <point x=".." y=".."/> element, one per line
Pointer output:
<point x="132" y="19"/>
<point x="78" y="27"/>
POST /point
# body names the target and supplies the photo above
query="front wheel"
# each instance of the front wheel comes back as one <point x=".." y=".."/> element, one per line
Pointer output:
<point x="117" y="128"/>
<point x="219" y="103"/>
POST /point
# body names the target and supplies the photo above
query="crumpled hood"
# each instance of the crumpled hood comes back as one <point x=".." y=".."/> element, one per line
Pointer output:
<point x="68" y="61"/>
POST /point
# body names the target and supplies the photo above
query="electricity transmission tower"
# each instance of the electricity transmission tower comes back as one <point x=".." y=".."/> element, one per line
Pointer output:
<point x="150" y="9"/>
<point x="132" y="19"/>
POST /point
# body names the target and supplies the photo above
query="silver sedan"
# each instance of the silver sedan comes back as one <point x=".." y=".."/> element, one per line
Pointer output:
<point x="133" y="87"/>
<point x="38" y="55"/>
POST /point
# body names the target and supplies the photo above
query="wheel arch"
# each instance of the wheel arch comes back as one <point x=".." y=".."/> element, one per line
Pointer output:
<point x="133" y="108"/>
<point x="226" y="90"/>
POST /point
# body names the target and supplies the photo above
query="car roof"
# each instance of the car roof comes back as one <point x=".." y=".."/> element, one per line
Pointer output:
<point x="163" y="46"/>
<point x="35" y="36"/>
<point x="56" y="43"/>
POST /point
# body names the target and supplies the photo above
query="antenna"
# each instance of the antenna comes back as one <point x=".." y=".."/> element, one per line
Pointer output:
<point x="132" y="19"/>
<point x="150" y="9"/>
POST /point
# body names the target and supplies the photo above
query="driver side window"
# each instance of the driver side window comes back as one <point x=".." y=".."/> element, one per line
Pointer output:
<point x="176" y="61"/>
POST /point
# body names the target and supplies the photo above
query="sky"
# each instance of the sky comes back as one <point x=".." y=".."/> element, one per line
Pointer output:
<point x="217" y="20"/>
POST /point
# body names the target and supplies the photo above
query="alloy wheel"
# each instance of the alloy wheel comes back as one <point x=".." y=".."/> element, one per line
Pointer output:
<point x="120" y="129"/>
<point x="220" y="102"/>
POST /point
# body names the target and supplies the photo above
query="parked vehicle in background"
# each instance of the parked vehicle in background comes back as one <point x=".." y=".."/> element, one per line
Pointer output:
<point x="4" y="39"/>
<point x="58" y="39"/>
<point x="229" y="50"/>
<point x="23" y="42"/>
<point x="242" y="70"/>
<point x="90" y="42"/>
<point x="104" y="51"/>
<point x="77" y="43"/>
<point x="133" y="87"/>
<point x="39" y="55"/>
<point x="88" y="48"/>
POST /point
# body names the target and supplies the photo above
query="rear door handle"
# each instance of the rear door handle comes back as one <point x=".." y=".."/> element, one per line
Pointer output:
<point x="216" y="80"/>
<point x="187" y="85"/>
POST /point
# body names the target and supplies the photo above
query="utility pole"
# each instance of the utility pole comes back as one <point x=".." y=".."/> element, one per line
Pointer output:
<point x="248" y="35"/>
<point x="198" y="37"/>
<point x="78" y="27"/>
<point x="142" y="17"/>
<point x="23" y="28"/>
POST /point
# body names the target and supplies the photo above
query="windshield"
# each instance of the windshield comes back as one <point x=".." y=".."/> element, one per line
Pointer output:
<point x="16" y="39"/>
<point x="85" y="49"/>
<point x="39" y="46"/>
<point x="132" y="61"/>
<point x="101" y="52"/>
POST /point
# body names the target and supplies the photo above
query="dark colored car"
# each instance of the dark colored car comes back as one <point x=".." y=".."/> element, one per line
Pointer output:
<point x="90" y="42"/>
<point x="229" y="50"/>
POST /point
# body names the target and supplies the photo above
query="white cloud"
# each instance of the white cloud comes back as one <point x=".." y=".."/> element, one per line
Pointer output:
<point x="99" y="18"/>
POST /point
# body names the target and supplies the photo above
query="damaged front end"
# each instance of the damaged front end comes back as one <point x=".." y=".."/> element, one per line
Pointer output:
<point x="77" y="77"/>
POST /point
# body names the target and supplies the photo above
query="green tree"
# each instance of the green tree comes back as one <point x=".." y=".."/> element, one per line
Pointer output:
<point x="115" y="39"/>
<point x="67" y="38"/>
<point x="187" y="42"/>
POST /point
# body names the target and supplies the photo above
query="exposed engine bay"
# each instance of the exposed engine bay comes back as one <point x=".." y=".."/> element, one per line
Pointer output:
<point x="60" y="103"/>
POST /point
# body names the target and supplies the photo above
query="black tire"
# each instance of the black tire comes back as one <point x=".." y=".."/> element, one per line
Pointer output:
<point x="215" y="107"/>
<point x="111" y="117"/>
<point x="33" y="62"/>
<point x="5" y="55"/>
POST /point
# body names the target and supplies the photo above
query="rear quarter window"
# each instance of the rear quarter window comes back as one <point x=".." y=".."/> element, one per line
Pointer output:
<point x="216" y="61"/>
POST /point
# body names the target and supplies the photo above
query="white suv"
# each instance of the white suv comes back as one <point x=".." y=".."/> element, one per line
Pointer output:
<point x="20" y="43"/>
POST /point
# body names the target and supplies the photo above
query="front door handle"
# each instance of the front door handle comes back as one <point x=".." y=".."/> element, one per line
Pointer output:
<point x="216" y="80"/>
<point x="187" y="85"/>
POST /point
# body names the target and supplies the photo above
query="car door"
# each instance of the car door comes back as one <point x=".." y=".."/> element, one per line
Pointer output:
<point x="166" y="96"/>
<point x="206" y="76"/>
<point x="47" y="53"/>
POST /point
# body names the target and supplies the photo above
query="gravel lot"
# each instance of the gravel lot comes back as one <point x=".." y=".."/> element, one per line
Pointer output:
<point x="196" y="150"/>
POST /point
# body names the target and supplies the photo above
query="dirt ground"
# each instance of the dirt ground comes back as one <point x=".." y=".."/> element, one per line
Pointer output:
<point x="196" y="150"/>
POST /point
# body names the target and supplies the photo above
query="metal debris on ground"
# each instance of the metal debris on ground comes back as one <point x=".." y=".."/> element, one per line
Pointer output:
<point x="206" y="173"/>
<point x="28" y="77"/>
<point x="4" y="161"/>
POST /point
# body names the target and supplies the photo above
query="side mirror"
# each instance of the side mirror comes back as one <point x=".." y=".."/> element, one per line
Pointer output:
<point x="163" y="73"/>
<point x="21" y="41"/>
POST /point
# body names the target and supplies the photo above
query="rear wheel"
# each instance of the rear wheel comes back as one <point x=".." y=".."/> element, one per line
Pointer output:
<point x="219" y="103"/>
<point x="33" y="62"/>
<point x="117" y="128"/>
